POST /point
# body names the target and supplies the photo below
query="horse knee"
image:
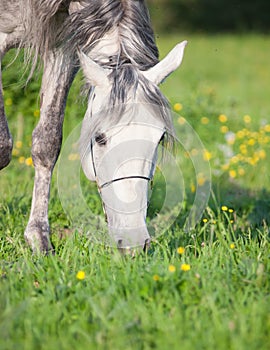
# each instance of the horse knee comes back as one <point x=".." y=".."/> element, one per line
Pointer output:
<point x="46" y="144"/>
<point x="5" y="149"/>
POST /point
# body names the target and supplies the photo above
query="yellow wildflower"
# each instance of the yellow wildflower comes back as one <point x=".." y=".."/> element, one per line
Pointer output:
<point x="262" y="154"/>
<point x="172" y="268"/>
<point x="204" y="120"/>
<point x="192" y="188"/>
<point x="224" y="129"/>
<point x="185" y="267"/>
<point x="201" y="179"/>
<point x="254" y="134"/>
<point x="243" y="148"/>
<point x="234" y="159"/>
<point x="267" y="128"/>
<point x="21" y="160"/>
<point x="205" y="220"/>
<point x="232" y="174"/>
<point x="222" y="118"/>
<point x="251" y="142"/>
<point x="247" y="119"/>
<point x="15" y="152"/>
<point x="207" y="155"/>
<point x="253" y="160"/>
<point x="29" y="161"/>
<point x="224" y="208"/>
<point x="181" y="120"/>
<point x="240" y="134"/>
<point x="36" y="113"/>
<point x="156" y="278"/>
<point x="194" y="152"/>
<point x="225" y="167"/>
<point x="232" y="245"/>
<point x="180" y="250"/>
<point x="178" y="107"/>
<point x="241" y="171"/>
<point x="18" y="144"/>
<point x="265" y="140"/>
<point x="80" y="275"/>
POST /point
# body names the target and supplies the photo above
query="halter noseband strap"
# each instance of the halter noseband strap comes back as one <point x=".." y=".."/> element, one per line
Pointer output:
<point x="108" y="183"/>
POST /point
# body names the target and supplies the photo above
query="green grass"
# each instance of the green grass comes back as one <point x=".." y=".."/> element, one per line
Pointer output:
<point x="149" y="302"/>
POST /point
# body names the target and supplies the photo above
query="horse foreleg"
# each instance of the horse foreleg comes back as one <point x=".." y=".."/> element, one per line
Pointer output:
<point x="46" y="143"/>
<point x="5" y="137"/>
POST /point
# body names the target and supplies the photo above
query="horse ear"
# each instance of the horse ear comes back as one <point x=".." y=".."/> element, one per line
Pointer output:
<point x="168" y="65"/>
<point x="93" y="72"/>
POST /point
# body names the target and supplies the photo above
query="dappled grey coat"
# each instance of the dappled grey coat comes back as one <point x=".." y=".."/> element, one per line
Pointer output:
<point x="45" y="24"/>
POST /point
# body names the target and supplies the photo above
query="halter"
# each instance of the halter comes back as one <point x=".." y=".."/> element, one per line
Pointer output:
<point x="110" y="182"/>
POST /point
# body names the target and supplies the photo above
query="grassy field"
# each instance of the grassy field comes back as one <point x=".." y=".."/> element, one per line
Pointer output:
<point x="205" y="289"/>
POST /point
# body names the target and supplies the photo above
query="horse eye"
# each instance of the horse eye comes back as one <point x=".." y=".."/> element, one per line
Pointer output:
<point x="101" y="139"/>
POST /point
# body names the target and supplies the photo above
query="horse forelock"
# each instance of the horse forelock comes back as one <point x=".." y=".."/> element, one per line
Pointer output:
<point x="131" y="86"/>
<point x="129" y="89"/>
<point x="128" y="18"/>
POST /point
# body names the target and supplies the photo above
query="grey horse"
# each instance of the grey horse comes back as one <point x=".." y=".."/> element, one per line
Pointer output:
<point x="114" y="42"/>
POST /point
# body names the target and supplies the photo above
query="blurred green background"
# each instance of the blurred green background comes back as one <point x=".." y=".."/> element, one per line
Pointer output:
<point x="210" y="16"/>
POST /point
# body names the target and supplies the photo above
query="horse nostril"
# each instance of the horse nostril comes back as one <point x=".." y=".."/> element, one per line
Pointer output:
<point x="119" y="243"/>
<point x="147" y="244"/>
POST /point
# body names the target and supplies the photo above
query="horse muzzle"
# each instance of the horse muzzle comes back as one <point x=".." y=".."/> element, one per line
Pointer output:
<point x="133" y="251"/>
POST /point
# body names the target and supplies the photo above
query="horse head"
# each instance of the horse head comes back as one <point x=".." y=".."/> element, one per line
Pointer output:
<point x="126" y="119"/>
